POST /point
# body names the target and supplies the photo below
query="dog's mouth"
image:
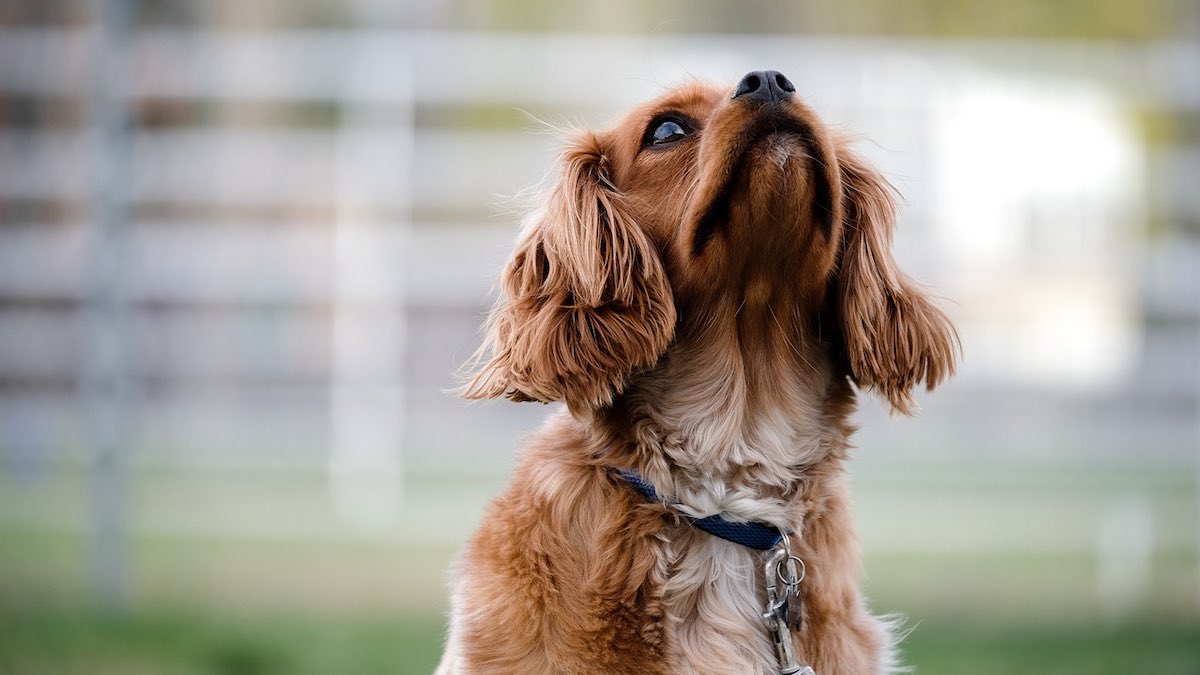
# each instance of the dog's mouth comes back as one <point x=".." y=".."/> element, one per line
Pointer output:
<point x="769" y="138"/>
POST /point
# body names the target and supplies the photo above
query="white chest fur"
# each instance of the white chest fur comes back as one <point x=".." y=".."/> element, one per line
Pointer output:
<point x="713" y="608"/>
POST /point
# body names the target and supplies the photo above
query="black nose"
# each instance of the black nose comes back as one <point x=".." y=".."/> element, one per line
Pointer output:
<point x="764" y="86"/>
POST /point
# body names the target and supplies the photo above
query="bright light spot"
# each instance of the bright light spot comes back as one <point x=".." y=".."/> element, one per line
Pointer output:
<point x="1038" y="184"/>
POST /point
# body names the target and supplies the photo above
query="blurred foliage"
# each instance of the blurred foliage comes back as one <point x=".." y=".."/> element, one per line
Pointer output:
<point x="1108" y="19"/>
<point x="491" y="116"/>
<point x="1097" y="19"/>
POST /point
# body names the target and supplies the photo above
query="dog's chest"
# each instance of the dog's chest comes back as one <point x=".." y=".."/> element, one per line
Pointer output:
<point x="713" y="608"/>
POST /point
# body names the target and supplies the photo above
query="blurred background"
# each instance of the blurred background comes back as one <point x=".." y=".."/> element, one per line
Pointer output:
<point x="245" y="246"/>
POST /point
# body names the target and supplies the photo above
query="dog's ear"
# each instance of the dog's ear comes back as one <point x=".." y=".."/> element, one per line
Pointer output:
<point x="894" y="334"/>
<point x="585" y="299"/>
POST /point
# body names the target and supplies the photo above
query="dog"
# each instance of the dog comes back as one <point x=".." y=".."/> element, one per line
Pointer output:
<point x="704" y="288"/>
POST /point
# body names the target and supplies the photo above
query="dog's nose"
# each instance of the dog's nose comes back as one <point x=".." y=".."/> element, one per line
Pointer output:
<point x="764" y="86"/>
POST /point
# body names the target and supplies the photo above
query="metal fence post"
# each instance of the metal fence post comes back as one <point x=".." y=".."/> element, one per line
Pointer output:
<point x="108" y="383"/>
<point x="373" y="159"/>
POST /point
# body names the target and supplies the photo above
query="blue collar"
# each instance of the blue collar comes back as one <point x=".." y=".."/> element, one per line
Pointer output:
<point x="760" y="536"/>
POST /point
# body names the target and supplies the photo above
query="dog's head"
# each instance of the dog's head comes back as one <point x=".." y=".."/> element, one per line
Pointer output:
<point x="702" y="201"/>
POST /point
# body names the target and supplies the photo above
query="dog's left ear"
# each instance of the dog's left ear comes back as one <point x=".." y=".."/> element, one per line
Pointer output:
<point x="585" y="299"/>
<point x="894" y="335"/>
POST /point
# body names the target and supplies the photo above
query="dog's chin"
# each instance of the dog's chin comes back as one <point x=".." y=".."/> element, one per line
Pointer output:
<point x="773" y="170"/>
<point x="763" y="192"/>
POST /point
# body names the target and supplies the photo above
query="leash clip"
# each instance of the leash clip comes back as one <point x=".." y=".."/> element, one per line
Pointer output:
<point x="782" y="574"/>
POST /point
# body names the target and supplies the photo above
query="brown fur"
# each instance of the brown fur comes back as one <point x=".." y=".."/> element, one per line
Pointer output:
<point x="701" y="308"/>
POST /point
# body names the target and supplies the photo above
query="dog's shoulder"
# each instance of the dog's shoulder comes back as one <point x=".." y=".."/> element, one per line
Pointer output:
<point x="566" y="568"/>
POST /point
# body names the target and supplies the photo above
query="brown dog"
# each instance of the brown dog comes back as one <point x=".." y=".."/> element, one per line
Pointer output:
<point x="701" y="288"/>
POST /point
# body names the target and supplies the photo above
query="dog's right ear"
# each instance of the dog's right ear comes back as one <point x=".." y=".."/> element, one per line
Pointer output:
<point x="585" y="300"/>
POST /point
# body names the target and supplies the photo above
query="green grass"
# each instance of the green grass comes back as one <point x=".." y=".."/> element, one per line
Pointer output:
<point x="328" y="600"/>
<point x="1078" y="651"/>
<point x="77" y="642"/>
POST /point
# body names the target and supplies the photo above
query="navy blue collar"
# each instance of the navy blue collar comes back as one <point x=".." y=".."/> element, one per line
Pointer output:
<point x="755" y="535"/>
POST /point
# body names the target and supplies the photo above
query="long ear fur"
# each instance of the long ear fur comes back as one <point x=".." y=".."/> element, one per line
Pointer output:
<point x="894" y="335"/>
<point x="585" y="300"/>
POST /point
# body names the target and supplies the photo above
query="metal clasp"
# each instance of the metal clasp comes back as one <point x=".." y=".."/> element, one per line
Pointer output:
<point x="782" y="574"/>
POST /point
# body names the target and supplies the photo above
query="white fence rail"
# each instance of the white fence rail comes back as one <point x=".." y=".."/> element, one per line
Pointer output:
<point x="312" y="231"/>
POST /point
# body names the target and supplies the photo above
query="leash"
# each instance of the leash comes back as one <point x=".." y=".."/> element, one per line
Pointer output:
<point x="782" y="571"/>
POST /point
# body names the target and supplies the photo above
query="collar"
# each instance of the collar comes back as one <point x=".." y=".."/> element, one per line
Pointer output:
<point x="755" y="535"/>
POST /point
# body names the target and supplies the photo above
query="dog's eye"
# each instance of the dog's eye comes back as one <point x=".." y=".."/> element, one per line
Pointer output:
<point x="664" y="131"/>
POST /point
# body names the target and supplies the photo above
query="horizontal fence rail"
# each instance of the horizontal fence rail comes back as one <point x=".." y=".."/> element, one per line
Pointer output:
<point x="315" y="220"/>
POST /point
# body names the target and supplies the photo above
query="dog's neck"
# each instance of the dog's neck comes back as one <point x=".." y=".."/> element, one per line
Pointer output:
<point x="741" y="407"/>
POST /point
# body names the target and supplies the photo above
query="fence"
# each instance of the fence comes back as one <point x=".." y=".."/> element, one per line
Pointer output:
<point x="270" y="251"/>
